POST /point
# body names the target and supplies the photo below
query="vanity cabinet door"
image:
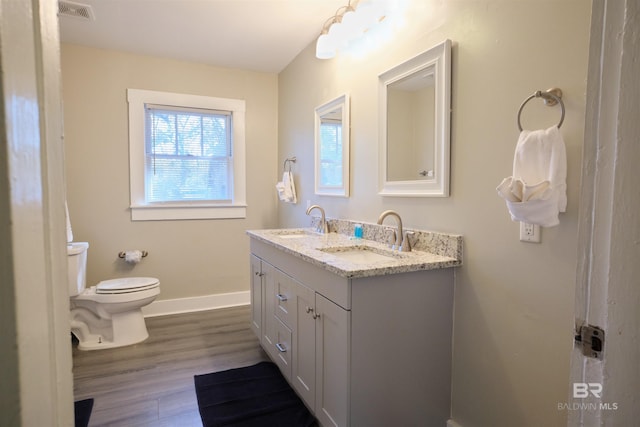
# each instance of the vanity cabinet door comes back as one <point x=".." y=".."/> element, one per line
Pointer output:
<point x="256" y="295"/>
<point x="269" y="326"/>
<point x="332" y="362"/>
<point x="304" y="357"/>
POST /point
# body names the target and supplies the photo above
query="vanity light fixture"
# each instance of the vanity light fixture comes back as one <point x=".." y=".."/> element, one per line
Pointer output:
<point x="348" y="24"/>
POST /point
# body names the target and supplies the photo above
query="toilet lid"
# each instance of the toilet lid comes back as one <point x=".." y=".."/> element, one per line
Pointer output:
<point x="126" y="285"/>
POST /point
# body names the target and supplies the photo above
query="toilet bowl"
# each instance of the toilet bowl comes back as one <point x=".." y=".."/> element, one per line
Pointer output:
<point x="108" y="314"/>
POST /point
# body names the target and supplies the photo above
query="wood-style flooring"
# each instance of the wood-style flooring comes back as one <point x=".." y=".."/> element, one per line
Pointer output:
<point x="151" y="383"/>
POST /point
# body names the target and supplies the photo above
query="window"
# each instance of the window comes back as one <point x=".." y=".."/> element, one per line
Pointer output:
<point x="186" y="156"/>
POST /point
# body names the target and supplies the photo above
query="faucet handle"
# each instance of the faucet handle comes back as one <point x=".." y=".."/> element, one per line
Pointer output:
<point x="393" y="236"/>
<point x="406" y="241"/>
<point x="322" y="227"/>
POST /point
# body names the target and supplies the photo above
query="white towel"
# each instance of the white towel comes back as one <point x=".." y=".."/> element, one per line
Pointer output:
<point x="287" y="189"/>
<point x="537" y="190"/>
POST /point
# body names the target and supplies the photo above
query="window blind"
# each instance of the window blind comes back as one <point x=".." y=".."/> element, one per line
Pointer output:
<point x="188" y="154"/>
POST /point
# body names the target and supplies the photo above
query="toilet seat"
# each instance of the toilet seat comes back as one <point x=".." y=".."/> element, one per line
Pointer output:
<point x="126" y="285"/>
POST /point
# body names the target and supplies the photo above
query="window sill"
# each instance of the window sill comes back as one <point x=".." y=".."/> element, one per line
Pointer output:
<point x="185" y="212"/>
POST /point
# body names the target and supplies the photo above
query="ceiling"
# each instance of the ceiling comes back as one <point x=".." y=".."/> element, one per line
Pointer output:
<point x="259" y="35"/>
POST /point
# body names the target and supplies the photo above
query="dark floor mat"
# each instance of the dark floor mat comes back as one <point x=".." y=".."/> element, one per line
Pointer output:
<point x="253" y="396"/>
<point x="83" y="412"/>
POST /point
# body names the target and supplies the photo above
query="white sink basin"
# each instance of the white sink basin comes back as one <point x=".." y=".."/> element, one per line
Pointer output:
<point x="360" y="254"/>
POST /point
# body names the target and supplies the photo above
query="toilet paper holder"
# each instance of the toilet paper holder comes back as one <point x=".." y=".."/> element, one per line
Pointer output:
<point x="122" y="254"/>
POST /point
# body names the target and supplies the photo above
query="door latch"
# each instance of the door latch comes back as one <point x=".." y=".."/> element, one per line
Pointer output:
<point x="591" y="340"/>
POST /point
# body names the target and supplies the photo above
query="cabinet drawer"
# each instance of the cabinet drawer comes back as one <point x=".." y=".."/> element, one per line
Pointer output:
<point x="282" y="354"/>
<point x="284" y="299"/>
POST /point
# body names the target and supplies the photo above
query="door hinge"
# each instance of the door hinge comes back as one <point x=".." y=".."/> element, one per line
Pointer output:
<point x="591" y="339"/>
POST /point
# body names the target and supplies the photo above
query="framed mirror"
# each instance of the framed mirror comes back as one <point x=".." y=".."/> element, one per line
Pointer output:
<point x="332" y="147"/>
<point x="415" y="106"/>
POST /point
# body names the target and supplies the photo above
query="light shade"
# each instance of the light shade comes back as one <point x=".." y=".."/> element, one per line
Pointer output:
<point x="324" y="47"/>
<point x="351" y="25"/>
<point x="347" y="26"/>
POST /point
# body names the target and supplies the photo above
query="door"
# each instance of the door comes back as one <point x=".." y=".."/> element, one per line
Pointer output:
<point x="604" y="390"/>
<point x="37" y="382"/>
<point x="332" y="362"/>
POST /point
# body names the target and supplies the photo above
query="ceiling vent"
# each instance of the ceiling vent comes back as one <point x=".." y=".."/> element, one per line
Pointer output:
<point x="75" y="10"/>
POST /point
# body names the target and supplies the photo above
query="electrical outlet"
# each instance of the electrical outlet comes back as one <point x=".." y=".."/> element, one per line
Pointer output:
<point x="529" y="233"/>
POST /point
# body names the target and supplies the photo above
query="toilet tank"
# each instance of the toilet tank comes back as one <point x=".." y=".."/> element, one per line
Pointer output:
<point x="77" y="266"/>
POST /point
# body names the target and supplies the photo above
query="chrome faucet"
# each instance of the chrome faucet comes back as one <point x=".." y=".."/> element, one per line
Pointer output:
<point x="402" y="240"/>
<point x="322" y="225"/>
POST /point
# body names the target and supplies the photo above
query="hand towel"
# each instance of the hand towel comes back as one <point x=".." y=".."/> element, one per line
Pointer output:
<point x="537" y="190"/>
<point x="286" y="188"/>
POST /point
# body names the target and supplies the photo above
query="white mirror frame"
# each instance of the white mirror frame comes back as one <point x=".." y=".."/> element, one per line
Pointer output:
<point x="334" y="190"/>
<point x="438" y="57"/>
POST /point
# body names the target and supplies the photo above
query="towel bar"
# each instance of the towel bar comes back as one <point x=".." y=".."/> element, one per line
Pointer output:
<point x="551" y="97"/>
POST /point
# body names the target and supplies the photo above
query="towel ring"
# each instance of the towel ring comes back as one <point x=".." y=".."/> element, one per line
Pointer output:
<point x="288" y="161"/>
<point x="551" y="97"/>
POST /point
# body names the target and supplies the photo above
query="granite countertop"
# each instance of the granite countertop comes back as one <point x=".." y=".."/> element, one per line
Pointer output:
<point x="353" y="258"/>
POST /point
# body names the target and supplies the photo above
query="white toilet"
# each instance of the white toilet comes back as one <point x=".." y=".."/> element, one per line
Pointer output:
<point x="109" y="314"/>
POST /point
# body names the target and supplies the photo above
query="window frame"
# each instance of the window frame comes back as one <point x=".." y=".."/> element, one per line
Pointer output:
<point x="141" y="210"/>
<point x="322" y="111"/>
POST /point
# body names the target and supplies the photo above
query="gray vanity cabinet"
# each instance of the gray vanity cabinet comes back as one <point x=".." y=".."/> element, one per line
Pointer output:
<point x="306" y="335"/>
<point x="367" y="351"/>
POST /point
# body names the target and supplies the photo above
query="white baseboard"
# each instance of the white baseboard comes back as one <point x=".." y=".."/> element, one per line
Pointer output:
<point x="187" y="305"/>
<point x="451" y="423"/>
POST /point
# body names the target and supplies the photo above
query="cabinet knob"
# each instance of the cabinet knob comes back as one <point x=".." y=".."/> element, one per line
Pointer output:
<point x="281" y="348"/>
<point x="309" y="310"/>
<point x="281" y="297"/>
<point x="259" y="274"/>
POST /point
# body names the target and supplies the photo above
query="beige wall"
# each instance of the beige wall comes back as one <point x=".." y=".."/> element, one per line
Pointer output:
<point x="513" y="301"/>
<point x="191" y="258"/>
